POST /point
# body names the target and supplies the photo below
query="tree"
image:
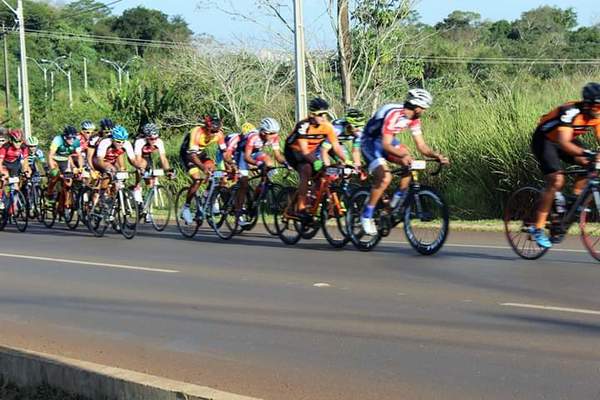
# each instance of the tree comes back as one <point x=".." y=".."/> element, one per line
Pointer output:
<point x="460" y="20"/>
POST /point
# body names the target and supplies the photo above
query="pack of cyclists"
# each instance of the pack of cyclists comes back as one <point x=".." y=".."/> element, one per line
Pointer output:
<point x="367" y="145"/>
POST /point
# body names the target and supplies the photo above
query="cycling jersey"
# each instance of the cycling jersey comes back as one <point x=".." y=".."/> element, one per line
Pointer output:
<point x="62" y="150"/>
<point x="341" y="129"/>
<point x="312" y="135"/>
<point x="544" y="143"/>
<point x="12" y="154"/>
<point x="390" y="119"/>
<point x="37" y="155"/>
<point x="84" y="142"/>
<point x="568" y="115"/>
<point x="145" y="148"/>
<point x="200" y="139"/>
<point x="252" y="141"/>
<point x="110" y="154"/>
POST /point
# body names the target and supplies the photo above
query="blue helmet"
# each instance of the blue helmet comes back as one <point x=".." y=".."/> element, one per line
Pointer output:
<point x="120" y="133"/>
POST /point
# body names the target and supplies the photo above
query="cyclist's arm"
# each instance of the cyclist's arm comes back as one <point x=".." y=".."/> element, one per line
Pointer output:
<point x="356" y="157"/>
<point x="337" y="147"/>
<point x="424" y="149"/>
<point x="131" y="156"/>
<point x="51" y="162"/>
<point x="310" y="157"/>
<point x="90" y="157"/>
<point x="388" y="147"/>
<point x="325" y="154"/>
<point x="565" y="141"/>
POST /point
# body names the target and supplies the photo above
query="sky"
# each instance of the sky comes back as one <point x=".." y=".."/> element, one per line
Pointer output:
<point x="202" y="19"/>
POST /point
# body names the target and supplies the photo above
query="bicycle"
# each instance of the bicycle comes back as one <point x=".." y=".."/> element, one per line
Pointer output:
<point x="65" y="207"/>
<point x="34" y="194"/>
<point x="157" y="204"/>
<point x="423" y="212"/>
<point x="260" y="200"/>
<point x="114" y="206"/>
<point x="202" y="205"/>
<point x="520" y="214"/>
<point x="325" y="200"/>
<point x="15" y="206"/>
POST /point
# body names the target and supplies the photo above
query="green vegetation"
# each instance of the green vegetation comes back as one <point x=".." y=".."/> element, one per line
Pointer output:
<point x="491" y="79"/>
<point x="12" y="392"/>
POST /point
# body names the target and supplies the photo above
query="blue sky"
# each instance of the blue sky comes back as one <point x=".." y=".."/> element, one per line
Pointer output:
<point x="224" y="28"/>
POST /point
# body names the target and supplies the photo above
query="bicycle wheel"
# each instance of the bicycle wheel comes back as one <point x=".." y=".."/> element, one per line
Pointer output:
<point x="4" y="212"/>
<point x="160" y="205"/>
<point x="223" y="218"/>
<point x="19" y="211"/>
<point x="333" y="221"/>
<point x="426" y="221"/>
<point x="187" y="230"/>
<point x="287" y="228"/>
<point x="250" y="212"/>
<point x="357" y="235"/>
<point x="48" y="215"/>
<point x="84" y="204"/>
<point x="266" y="209"/>
<point x="127" y="213"/>
<point x="519" y="215"/>
<point x="70" y="214"/>
<point x="589" y="223"/>
<point x="98" y="215"/>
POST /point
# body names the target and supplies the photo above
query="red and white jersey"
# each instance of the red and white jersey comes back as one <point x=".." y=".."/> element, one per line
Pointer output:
<point x="143" y="147"/>
<point x="107" y="152"/>
<point x="253" y="141"/>
<point x="391" y="119"/>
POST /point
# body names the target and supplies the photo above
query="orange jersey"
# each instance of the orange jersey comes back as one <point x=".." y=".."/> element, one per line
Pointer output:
<point x="568" y="115"/>
<point x="312" y="135"/>
<point x="200" y="139"/>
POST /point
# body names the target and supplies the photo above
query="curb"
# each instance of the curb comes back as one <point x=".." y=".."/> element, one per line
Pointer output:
<point x="95" y="381"/>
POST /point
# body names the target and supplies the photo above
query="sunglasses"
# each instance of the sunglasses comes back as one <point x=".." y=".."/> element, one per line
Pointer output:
<point x="88" y="132"/>
<point x="152" y="137"/>
<point x="118" y="141"/>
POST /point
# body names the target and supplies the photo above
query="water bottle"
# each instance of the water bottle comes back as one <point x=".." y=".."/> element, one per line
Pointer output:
<point x="561" y="202"/>
<point x="397" y="198"/>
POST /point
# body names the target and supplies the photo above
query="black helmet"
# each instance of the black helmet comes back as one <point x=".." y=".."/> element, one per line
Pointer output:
<point x="591" y="93"/>
<point x="106" y="124"/>
<point x="318" y="104"/>
<point x="213" y="122"/>
<point x="70" y="132"/>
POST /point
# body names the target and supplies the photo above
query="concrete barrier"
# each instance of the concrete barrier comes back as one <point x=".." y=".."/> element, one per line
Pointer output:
<point x="95" y="381"/>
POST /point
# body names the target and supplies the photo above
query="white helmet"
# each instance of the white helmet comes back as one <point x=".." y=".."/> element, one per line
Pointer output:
<point x="269" y="125"/>
<point x="420" y="98"/>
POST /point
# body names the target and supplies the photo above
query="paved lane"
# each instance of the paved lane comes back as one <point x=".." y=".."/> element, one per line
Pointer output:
<point x="308" y="322"/>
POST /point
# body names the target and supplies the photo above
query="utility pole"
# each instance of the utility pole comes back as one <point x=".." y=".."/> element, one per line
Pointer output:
<point x="67" y="74"/>
<point x="44" y="70"/>
<point x="120" y="68"/>
<point x="301" y="110"/>
<point x="85" y="77"/>
<point x="24" y="77"/>
<point x="6" y="74"/>
<point x="20" y="87"/>
<point x="52" y="85"/>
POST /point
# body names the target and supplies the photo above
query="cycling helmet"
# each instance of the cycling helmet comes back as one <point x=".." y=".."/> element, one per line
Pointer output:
<point x="591" y="93"/>
<point x="106" y="124"/>
<point x="88" y="125"/>
<point x="150" y="130"/>
<point x="15" y="135"/>
<point x="70" y="132"/>
<point x="213" y="122"/>
<point x="317" y="105"/>
<point x="355" y="117"/>
<point x="120" y="133"/>
<point x="32" y="141"/>
<point x="247" y="128"/>
<point x="419" y="98"/>
<point x="269" y="125"/>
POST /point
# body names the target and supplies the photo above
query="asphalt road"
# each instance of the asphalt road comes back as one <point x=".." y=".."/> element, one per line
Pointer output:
<point x="256" y="317"/>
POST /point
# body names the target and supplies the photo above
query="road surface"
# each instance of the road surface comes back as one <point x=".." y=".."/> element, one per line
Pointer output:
<point x="256" y="317"/>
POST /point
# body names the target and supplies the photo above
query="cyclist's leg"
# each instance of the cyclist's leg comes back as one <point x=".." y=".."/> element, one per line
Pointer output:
<point x="243" y="169"/>
<point x="377" y="163"/>
<point x="404" y="180"/>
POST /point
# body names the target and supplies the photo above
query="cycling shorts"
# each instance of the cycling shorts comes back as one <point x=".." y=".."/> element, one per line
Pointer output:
<point x="549" y="154"/>
<point x="375" y="156"/>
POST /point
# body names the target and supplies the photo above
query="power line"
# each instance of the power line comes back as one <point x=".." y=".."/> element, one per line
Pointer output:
<point x="95" y="8"/>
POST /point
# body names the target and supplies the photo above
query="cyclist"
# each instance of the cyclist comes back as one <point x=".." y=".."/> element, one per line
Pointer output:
<point x="63" y="150"/>
<point x="555" y="139"/>
<point x="109" y="154"/>
<point x="13" y="159"/>
<point x="106" y="127"/>
<point x="145" y="145"/>
<point x="348" y="130"/>
<point x="3" y="135"/>
<point x="250" y="152"/>
<point x="301" y="148"/>
<point x="379" y="145"/>
<point x="88" y="130"/>
<point x="195" y="158"/>
<point x="232" y="140"/>
<point x="36" y="155"/>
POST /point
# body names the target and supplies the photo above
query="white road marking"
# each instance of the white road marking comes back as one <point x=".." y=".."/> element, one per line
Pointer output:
<point x="322" y="284"/>
<point x="90" y="263"/>
<point x="552" y="308"/>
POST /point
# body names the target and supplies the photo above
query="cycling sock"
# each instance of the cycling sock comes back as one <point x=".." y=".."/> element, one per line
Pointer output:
<point x="368" y="212"/>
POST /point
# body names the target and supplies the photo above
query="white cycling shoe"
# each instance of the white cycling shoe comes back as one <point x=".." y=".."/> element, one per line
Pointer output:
<point x="368" y="225"/>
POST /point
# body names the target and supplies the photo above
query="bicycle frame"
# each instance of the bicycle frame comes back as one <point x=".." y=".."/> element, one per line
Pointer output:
<point x="571" y="216"/>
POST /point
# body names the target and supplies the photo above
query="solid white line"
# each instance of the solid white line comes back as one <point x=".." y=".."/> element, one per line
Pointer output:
<point x="552" y="308"/>
<point x="90" y="263"/>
